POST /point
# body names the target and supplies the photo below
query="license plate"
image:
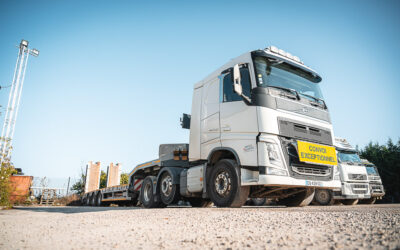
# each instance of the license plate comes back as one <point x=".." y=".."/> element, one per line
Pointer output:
<point x="316" y="153"/>
<point x="314" y="183"/>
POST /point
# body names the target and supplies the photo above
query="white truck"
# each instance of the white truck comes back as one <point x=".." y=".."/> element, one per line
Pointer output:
<point x="351" y="173"/>
<point x="375" y="183"/>
<point x="259" y="128"/>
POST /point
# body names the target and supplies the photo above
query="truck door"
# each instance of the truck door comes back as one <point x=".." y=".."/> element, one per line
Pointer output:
<point x="239" y="126"/>
<point x="210" y="129"/>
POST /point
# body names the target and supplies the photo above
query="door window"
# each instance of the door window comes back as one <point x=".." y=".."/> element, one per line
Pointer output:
<point x="228" y="93"/>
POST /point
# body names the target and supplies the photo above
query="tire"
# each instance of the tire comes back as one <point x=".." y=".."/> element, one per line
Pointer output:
<point x="169" y="193"/>
<point x="224" y="187"/>
<point x="146" y="194"/>
<point x="199" y="202"/>
<point x="350" y="202"/>
<point x="324" y="197"/>
<point x="87" y="200"/>
<point x="370" y="201"/>
<point x="301" y="199"/>
<point x="98" y="199"/>
<point x="92" y="199"/>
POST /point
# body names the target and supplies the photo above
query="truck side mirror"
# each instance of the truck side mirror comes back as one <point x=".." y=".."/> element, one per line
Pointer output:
<point x="237" y="85"/>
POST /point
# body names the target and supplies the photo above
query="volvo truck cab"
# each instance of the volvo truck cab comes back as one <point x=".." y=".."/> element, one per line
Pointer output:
<point x="351" y="174"/>
<point x="375" y="183"/>
<point x="262" y="116"/>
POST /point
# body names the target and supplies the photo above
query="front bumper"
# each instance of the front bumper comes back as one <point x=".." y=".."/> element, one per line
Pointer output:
<point x="353" y="190"/>
<point x="377" y="190"/>
<point x="276" y="180"/>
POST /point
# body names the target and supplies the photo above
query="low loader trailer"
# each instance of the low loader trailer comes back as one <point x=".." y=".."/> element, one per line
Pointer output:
<point x="259" y="128"/>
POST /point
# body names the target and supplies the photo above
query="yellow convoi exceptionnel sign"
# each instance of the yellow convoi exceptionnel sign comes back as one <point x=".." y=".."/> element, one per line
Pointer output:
<point x="316" y="153"/>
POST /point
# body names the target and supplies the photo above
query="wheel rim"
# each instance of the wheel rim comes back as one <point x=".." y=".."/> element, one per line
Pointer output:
<point x="166" y="186"/>
<point x="147" y="192"/>
<point x="323" y="196"/>
<point x="99" y="200"/>
<point x="222" y="183"/>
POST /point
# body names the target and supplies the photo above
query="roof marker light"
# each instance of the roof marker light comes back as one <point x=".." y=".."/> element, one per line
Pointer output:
<point x="273" y="49"/>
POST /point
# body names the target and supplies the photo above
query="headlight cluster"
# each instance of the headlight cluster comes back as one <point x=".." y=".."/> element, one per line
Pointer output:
<point x="336" y="173"/>
<point x="275" y="159"/>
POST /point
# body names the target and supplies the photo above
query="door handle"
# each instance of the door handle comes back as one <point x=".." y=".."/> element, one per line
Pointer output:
<point x="226" y="128"/>
<point x="213" y="130"/>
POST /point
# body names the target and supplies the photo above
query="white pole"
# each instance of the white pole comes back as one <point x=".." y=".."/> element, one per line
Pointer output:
<point x="6" y="118"/>
<point x="19" y="98"/>
<point x="12" y="108"/>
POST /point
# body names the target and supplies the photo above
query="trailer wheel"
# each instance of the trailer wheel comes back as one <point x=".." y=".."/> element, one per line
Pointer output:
<point x="224" y="187"/>
<point x="169" y="193"/>
<point x="324" y="197"/>
<point x="301" y="199"/>
<point x="199" y="202"/>
<point x="371" y="200"/>
<point x="146" y="194"/>
<point x="93" y="199"/>
<point x="87" y="200"/>
<point x="350" y="202"/>
<point x="98" y="199"/>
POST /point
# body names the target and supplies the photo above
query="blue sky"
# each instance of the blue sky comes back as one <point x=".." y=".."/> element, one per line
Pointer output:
<point x="113" y="77"/>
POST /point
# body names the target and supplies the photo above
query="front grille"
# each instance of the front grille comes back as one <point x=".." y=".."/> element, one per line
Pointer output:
<point x="316" y="171"/>
<point x="357" y="177"/>
<point x="359" y="188"/>
<point x="302" y="131"/>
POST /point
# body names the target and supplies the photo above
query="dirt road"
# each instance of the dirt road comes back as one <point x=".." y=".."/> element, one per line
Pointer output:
<point x="313" y="227"/>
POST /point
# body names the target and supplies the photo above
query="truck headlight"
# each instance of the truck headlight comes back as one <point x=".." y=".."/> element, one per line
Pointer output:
<point x="336" y="173"/>
<point x="275" y="159"/>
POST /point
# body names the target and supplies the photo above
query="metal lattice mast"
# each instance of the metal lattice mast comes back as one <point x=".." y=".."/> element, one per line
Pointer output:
<point x="14" y="99"/>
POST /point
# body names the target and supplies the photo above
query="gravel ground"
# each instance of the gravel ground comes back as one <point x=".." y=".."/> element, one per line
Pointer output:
<point x="313" y="227"/>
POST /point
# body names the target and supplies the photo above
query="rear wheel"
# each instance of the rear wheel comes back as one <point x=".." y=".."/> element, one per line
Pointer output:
<point x="301" y="199"/>
<point x="224" y="187"/>
<point x="350" y="202"/>
<point x="199" y="202"/>
<point x="324" y="197"/>
<point x="169" y="192"/>
<point x="368" y="201"/>
<point x="147" y="197"/>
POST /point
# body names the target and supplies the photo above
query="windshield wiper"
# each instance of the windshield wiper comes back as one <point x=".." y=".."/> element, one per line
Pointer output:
<point x="287" y="90"/>
<point x="316" y="99"/>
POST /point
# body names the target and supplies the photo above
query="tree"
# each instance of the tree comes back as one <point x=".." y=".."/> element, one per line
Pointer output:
<point x="103" y="179"/>
<point x="79" y="186"/>
<point x="387" y="159"/>
<point x="124" y="178"/>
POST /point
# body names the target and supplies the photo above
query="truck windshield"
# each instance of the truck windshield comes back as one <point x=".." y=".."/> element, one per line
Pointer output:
<point x="371" y="170"/>
<point x="280" y="74"/>
<point x="349" y="157"/>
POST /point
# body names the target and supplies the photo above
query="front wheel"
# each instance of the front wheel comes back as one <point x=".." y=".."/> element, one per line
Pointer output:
<point x="324" y="197"/>
<point x="224" y="187"/>
<point x="300" y="199"/>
